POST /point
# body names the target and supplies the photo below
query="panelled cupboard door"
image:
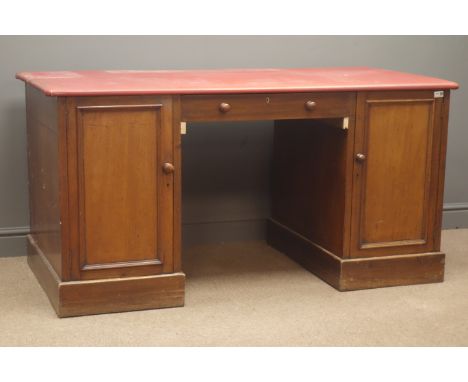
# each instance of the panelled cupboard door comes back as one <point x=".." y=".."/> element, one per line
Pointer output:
<point x="395" y="188"/>
<point x="121" y="184"/>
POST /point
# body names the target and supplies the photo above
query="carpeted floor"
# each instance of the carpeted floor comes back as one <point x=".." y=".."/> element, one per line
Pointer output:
<point x="245" y="294"/>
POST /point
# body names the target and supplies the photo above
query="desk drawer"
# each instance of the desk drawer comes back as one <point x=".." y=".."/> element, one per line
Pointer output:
<point x="236" y="107"/>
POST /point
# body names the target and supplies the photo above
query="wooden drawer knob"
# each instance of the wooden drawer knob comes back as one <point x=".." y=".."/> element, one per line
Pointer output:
<point x="224" y="107"/>
<point x="310" y="105"/>
<point x="168" y="168"/>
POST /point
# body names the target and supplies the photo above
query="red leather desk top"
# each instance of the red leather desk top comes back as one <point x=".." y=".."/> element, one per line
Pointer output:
<point x="129" y="82"/>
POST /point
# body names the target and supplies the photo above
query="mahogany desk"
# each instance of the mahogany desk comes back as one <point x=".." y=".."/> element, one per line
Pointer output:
<point x="358" y="176"/>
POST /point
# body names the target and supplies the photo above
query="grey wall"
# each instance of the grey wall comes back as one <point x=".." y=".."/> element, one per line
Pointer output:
<point x="225" y="167"/>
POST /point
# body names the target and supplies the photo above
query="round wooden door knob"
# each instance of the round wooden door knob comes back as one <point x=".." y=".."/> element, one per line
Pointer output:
<point x="224" y="107"/>
<point x="360" y="157"/>
<point x="310" y="105"/>
<point x="168" y="168"/>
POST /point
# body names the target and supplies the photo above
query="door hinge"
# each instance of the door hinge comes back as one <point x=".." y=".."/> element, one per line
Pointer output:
<point x="439" y="94"/>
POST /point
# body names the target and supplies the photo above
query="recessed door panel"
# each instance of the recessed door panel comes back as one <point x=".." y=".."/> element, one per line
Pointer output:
<point x="125" y="197"/>
<point x="393" y="204"/>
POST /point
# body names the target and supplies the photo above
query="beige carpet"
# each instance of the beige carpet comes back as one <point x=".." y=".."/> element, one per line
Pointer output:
<point x="249" y="294"/>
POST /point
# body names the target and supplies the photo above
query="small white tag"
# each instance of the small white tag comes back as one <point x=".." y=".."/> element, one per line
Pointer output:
<point x="439" y="94"/>
<point x="183" y="127"/>
<point x="345" y="123"/>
